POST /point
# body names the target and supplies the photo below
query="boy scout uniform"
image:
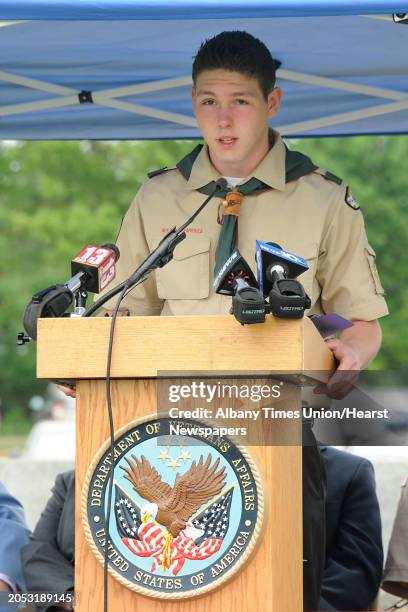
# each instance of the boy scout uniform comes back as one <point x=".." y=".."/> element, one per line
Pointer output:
<point x="289" y="201"/>
<point x="314" y="216"/>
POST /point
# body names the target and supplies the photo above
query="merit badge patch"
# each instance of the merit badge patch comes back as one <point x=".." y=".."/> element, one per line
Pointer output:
<point x="351" y="200"/>
<point x="183" y="519"/>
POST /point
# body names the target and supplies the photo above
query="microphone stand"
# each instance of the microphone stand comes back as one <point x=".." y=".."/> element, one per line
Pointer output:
<point x="158" y="258"/>
<point x="161" y="255"/>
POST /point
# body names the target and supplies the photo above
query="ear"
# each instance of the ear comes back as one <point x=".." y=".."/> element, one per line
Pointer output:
<point x="274" y="101"/>
<point x="194" y="97"/>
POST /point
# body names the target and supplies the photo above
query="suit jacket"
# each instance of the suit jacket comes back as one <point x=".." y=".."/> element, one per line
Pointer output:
<point x="396" y="566"/>
<point x="354" y="555"/>
<point x="48" y="560"/>
<point x="13" y="535"/>
<point x="353" y="531"/>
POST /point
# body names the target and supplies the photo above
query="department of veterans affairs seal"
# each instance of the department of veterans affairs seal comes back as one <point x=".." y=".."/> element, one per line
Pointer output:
<point x="183" y="518"/>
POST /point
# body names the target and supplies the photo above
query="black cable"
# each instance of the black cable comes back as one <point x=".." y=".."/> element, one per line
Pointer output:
<point x="160" y="256"/>
<point x="125" y="291"/>
<point x="106" y="296"/>
<point x="112" y="445"/>
<point x="130" y="289"/>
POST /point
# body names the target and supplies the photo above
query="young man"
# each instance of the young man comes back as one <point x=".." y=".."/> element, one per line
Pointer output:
<point x="286" y="199"/>
<point x="293" y="203"/>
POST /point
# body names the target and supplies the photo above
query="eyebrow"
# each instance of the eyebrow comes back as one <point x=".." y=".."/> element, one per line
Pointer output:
<point x="235" y="93"/>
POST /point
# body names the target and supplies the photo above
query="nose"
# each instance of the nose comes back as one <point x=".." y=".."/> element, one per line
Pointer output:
<point x="224" y="118"/>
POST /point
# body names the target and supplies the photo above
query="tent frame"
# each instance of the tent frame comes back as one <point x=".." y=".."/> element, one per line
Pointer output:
<point x="66" y="96"/>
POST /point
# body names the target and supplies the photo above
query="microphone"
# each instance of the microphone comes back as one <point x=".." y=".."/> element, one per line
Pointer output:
<point x="220" y="185"/>
<point x="236" y="279"/>
<point x="277" y="270"/>
<point x="92" y="270"/>
<point x="161" y="255"/>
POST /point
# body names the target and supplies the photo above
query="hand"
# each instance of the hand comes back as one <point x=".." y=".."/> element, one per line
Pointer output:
<point x="121" y="313"/>
<point x="71" y="391"/>
<point x="4" y="587"/>
<point x="345" y="377"/>
<point x="68" y="391"/>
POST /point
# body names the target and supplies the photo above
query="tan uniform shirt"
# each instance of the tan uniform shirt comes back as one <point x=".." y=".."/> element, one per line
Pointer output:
<point x="308" y="216"/>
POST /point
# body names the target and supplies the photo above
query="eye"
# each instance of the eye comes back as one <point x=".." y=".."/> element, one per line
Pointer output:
<point x="208" y="102"/>
<point x="241" y="102"/>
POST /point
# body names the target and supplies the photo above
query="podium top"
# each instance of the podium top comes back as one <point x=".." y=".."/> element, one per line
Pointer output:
<point x="75" y="348"/>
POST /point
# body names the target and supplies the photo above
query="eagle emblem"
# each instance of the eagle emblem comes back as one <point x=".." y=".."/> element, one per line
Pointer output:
<point x="173" y="507"/>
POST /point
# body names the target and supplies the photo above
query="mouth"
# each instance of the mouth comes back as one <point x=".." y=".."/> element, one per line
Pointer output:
<point x="227" y="142"/>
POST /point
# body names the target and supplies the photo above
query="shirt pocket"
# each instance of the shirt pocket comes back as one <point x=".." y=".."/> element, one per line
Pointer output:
<point x="187" y="276"/>
<point x="370" y="256"/>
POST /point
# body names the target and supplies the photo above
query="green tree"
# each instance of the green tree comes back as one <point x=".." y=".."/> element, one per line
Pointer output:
<point x="373" y="167"/>
<point x="56" y="197"/>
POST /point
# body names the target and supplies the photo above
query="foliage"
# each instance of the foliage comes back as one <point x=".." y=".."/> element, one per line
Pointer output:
<point x="373" y="167"/>
<point x="56" y="197"/>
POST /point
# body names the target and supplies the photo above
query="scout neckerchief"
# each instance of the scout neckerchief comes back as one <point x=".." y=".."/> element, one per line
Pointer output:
<point x="296" y="165"/>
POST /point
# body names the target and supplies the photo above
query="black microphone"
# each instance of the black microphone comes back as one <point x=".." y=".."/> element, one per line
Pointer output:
<point x="235" y="278"/>
<point x="161" y="255"/>
<point x="220" y="185"/>
<point x="92" y="270"/>
<point x="277" y="270"/>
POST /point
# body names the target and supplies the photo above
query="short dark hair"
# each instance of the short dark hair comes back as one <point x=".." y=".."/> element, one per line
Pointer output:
<point x="238" y="52"/>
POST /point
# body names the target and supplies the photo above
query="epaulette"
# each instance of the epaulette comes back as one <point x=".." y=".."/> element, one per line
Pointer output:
<point x="349" y="198"/>
<point x="154" y="173"/>
<point x="329" y="176"/>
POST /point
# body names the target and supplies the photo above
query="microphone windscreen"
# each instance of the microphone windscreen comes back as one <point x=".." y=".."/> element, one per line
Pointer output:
<point x="112" y="247"/>
<point x="221" y="184"/>
<point x="98" y="263"/>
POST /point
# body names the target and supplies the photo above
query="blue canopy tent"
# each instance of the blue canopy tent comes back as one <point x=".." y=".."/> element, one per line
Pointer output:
<point x="120" y="69"/>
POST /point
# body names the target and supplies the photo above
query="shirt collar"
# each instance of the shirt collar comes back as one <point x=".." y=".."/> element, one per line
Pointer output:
<point x="202" y="172"/>
<point x="270" y="171"/>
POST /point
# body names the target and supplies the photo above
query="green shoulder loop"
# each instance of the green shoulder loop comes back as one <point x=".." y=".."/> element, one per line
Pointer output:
<point x="154" y="173"/>
<point x="329" y="176"/>
<point x="349" y="198"/>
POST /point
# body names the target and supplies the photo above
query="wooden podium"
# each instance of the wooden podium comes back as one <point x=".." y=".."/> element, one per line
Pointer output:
<point x="76" y="349"/>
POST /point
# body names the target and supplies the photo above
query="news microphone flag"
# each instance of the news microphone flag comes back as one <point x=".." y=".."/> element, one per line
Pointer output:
<point x="98" y="263"/>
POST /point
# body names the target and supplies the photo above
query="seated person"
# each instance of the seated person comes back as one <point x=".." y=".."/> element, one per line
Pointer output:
<point x="48" y="560"/>
<point x="13" y="535"/>
<point x="354" y="555"/>
<point x="396" y="566"/>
